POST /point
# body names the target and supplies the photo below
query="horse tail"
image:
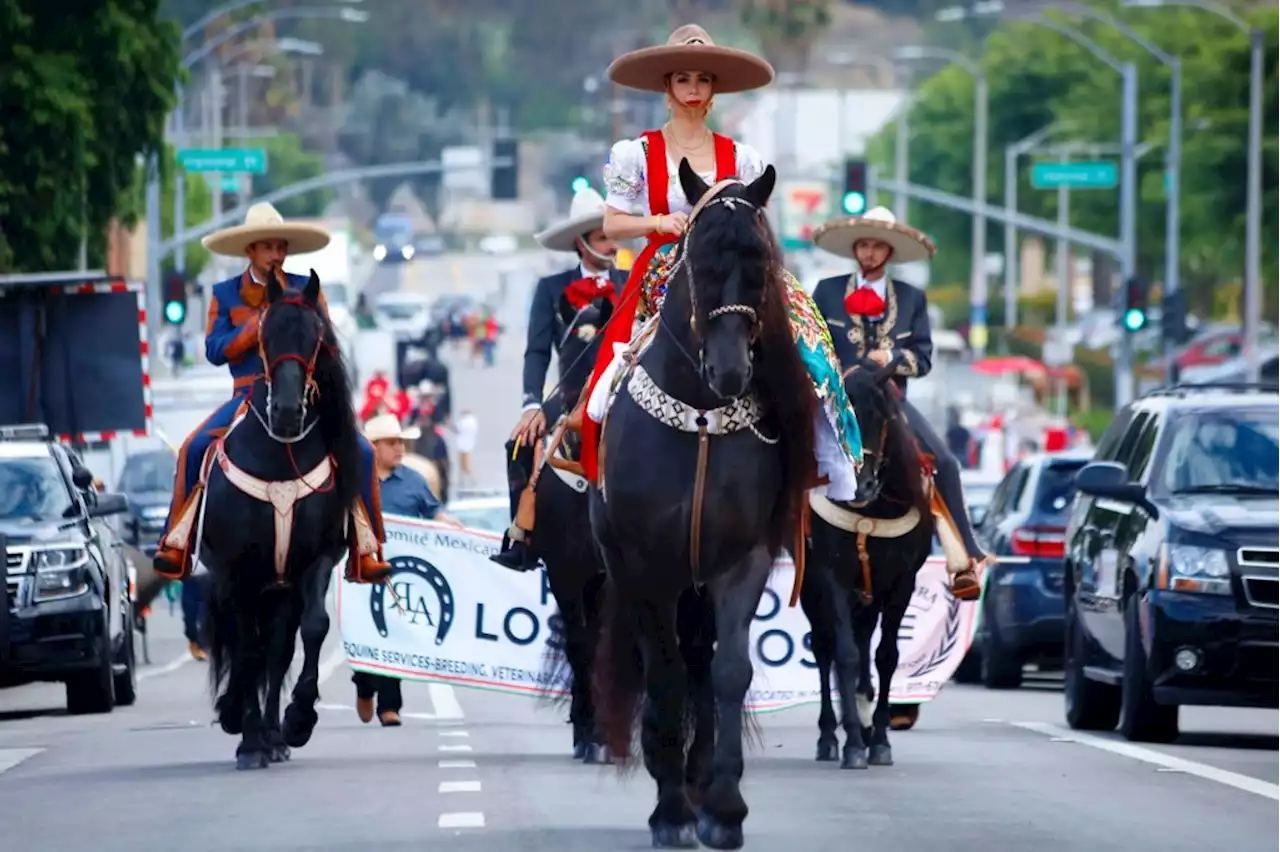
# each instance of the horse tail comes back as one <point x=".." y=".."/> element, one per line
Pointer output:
<point x="618" y="675"/>
<point x="555" y="682"/>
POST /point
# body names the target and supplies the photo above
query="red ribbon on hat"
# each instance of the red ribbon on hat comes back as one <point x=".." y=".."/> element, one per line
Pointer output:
<point x="864" y="302"/>
<point x="584" y="291"/>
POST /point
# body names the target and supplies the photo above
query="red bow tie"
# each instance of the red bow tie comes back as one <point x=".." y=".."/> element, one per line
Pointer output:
<point x="864" y="302"/>
<point x="584" y="291"/>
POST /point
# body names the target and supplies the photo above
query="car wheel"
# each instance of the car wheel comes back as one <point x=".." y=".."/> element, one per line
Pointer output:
<point x="126" y="681"/>
<point x="1089" y="704"/>
<point x="1001" y="665"/>
<point x="970" y="669"/>
<point x="1141" y="718"/>
<point x="94" y="691"/>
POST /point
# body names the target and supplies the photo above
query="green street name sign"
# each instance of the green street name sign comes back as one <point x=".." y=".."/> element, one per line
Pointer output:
<point x="1099" y="175"/>
<point x="251" y="160"/>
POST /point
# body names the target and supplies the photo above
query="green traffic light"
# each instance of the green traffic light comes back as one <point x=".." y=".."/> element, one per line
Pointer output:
<point x="1134" y="319"/>
<point x="174" y="312"/>
<point x="854" y="203"/>
<point x="579" y="184"/>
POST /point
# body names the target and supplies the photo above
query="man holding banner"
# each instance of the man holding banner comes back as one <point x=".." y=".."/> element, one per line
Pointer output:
<point x="404" y="492"/>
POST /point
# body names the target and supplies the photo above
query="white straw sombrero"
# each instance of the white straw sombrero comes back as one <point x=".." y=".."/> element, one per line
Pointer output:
<point x="586" y="213"/>
<point x="878" y="223"/>
<point x="689" y="48"/>
<point x="263" y="222"/>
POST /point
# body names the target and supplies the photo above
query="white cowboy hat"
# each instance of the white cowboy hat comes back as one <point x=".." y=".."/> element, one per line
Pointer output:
<point x="586" y="213"/>
<point x="386" y="426"/>
<point x="877" y="223"/>
<point x="264" y="222"/>
<point x="689" y="48"/>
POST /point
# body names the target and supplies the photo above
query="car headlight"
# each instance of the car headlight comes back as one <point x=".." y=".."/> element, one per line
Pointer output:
<point x="379" y="252"/>
<point x="60" y="572"/>
<point x="1188" y="568"/>
<point x="406" y="252"/>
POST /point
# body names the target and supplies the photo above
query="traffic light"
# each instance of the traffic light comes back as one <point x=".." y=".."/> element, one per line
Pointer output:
<point x="854" y="199"/>
<point x="579" y="184"/>
<point x="1173" y="318"/>
<point x="1134" y="314"/>
<point x="505" y="183"/>
<point x="175" y="298"/>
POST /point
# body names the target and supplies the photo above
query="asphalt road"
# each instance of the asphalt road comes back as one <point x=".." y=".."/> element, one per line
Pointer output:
<point x="472" y="770"/>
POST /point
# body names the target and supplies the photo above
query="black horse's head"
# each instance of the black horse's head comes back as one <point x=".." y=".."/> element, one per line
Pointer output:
<point x="298" y="348"/>
<point x="891" y="457"/>
<point x="730" y="263"/>
<point x="583" y="323"/>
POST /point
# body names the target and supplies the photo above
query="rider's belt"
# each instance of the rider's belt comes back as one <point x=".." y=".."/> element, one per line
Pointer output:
<point x="245" y="381"/>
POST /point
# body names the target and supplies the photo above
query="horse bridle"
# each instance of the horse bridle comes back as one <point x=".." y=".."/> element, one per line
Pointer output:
<point x="311" y="390"/>
<point x="710" y="199"/>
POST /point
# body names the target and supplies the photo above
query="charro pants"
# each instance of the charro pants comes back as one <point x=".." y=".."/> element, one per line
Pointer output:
<point x="946" y="476"/>
<point x="385" y="689"/>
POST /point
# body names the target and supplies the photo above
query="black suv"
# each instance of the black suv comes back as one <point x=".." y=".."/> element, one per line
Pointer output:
<point x="1171" y="562"/>
<point x="66" y="603"/>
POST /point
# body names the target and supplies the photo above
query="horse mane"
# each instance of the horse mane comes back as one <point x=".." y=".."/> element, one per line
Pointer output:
<point x="902" y="453"/>
<point x="338" y="427"/>
<point x="730" y="243"/>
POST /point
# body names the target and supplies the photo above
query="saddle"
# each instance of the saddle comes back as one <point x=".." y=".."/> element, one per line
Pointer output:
<point x="283" y="496"/>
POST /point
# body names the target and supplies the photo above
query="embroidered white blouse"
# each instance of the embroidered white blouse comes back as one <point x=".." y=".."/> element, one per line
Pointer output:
<point x="626" y="180"/>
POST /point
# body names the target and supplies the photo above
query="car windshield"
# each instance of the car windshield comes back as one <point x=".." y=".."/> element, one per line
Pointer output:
<point x="1057" y="488"/>
<point x="32" y="488"/>
<point x="150" y="472"/>
<point x="1224" y="451"/>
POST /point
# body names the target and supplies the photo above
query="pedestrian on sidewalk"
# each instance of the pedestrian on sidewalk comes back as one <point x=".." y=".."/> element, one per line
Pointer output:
<point x="465" y="432"/>
<point x="404" y="492"/>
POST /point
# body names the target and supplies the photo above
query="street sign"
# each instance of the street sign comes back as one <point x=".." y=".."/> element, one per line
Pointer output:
<point x="252" y="160"/>
<point x="1099" y="175"/>
<point x="805" y="206"/>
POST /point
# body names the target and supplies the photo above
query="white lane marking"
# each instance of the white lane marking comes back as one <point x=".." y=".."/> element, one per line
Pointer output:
<point x="11" y="757"/>
<point x="459" y="787"/>
<point x="454" y="748"/>
<point x="171" y="666"/>
<point x="472" y="819"/>
<point x="1158" y="758"/>
<point x="346" y="707"/>
<point x="330" y="664"/>
<point x="427" y="716"/>
<point x="457" y="764"/>
<point x="445" y="700"/>
<point x="455" y="733"/>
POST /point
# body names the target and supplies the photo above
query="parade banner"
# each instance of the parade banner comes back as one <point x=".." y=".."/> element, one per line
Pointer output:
<point x="449" y="615"/>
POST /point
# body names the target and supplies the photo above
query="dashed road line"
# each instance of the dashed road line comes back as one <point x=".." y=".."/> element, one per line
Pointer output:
<point x="171" y="666"/>
<point x="445" y="700"/>
<point x="456" y="764"/>
<point x="455" y="733"/>
<point x="454" y="748"/>
<point x="471" y="819"/>
<point x="1157" y="758"/>
<point x="459" y="787"/>
<point x="11" y="757"/>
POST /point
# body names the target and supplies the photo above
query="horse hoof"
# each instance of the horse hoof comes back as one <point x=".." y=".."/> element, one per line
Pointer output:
<point x="299" y="723"/>
<point x="881" y="755"/>
<point x="828" y="752"/>
<point x="280" y="754"/>
<point x="666" y="836"/>
<point x="598" y="755"/>
<point x="579" y="751"/>
<point x="719" y="836"/>
<point x="854" y="758"/>
<point x="252" y="760"/>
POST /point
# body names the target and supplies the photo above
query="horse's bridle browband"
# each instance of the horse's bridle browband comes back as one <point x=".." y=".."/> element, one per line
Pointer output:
<point x="311" y="390"/>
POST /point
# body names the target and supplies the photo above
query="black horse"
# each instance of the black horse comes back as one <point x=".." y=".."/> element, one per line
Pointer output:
<point x="706" y="456"/>
<point x="574" y="570"/>
<point x="299" y="417"/>
<point x="841" y="605"/>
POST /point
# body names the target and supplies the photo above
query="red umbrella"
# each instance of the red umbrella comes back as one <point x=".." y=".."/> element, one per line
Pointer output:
<point x="1008" y="364"/>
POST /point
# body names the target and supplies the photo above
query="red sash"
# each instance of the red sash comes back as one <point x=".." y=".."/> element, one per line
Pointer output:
<point x="619" y="328"/>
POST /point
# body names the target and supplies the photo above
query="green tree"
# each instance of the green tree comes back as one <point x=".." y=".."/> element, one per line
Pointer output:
<point x="92" y="99"/>
<point x="786" y="28"/>
<point x="288" y="163"/>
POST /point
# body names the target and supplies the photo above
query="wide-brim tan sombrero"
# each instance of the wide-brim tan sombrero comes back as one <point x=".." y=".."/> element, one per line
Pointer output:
<point x="264" y="222"/>
<point x="586" y="213"/>
<point x="879" y="223"/>
<point x="689" y="48"/>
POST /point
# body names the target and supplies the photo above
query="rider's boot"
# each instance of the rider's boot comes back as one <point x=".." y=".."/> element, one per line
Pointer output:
<point x="965" y="584"/>
<point x="170" y="560"/>
<point x="367" y="530"/>
<point x="515" y="553"/>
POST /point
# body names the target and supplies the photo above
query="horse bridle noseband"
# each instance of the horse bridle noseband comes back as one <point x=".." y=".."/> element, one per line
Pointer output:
<point x="311" y="390"/>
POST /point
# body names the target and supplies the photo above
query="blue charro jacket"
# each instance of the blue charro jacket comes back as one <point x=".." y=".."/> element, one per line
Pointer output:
<point x="231" y="334"/>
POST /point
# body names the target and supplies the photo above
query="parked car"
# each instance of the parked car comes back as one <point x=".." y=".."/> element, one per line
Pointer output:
<point x="1025" y="528"/>
<point x="1172" y="557"/>
<point x="147" y="482"/>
